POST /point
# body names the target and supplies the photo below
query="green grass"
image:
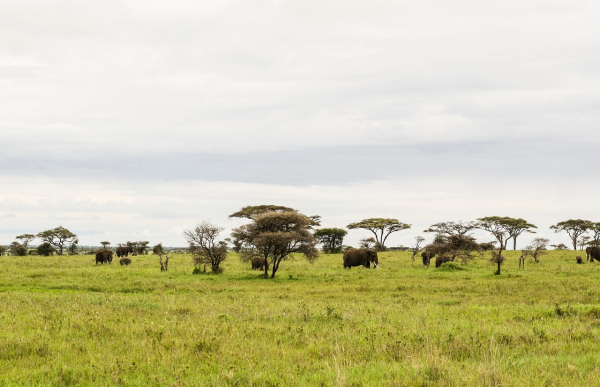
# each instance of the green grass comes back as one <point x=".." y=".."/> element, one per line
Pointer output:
<point x="66" y="321"/>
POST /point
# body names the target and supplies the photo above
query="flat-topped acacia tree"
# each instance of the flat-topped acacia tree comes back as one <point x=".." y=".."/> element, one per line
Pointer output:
<point x="58" y="237"/>
<point x="574" y="228"/>
<point x="275" y="235"/>
<point x="381" y="228"/>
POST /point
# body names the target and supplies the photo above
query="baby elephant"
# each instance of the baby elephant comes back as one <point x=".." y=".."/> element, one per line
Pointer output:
<point x="579" y="259"/>
<point x="125" y="261"/>
<point x="259" y="263"/>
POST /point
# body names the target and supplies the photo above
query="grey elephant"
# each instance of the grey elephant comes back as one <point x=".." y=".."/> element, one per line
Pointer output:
<point x="125" y="261"/>
<point x="360" y="257"/>
<point x="440" y="259"/>
<point x="104" y="256"/>
<point x="124" y="251"/>
<point x="259" y="263"/>
<point x="427" y="255"/>
<point x="594" y="254"/>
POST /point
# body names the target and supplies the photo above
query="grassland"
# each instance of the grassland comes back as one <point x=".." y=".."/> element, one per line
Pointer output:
<point x="67" y="322"/>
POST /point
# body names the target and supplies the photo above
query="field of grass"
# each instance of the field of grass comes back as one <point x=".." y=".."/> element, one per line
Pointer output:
<point x="66" y="321"/>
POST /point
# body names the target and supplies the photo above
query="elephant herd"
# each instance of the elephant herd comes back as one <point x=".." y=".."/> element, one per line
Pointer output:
<point x="106" y="256"/>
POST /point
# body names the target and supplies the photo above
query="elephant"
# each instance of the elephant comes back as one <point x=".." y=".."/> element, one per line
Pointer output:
<point x="104" y="256"/>
<point x="594" y="253"/>
<point x="125" y="261"/>
<point x="259" y="263"/>
<point x="442" y="259"/>
<point x="360" y="257"/>
<point x="579" y="260"/>
<point x="124" y="251"/>
<point x="427" y="255"/>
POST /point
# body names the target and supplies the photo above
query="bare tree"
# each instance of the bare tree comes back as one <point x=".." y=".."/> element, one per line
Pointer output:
<point x="204" y="246"/>
<point x="537" y="248"/>
<point x="367" y="243"/>
<point x="416" y="247"/>
<point x="160" y="251"/>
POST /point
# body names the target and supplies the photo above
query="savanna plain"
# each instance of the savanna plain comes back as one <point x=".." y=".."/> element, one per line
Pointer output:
<point x="66" y="321"/>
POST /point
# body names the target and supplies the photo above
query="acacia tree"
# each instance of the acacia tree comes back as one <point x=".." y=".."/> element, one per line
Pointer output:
<point x="381" y="228"/>
<point x="249" y="212"/>
<point x="105" y="244"/>
<point x="205" y="248"/>
<point x="517" y="226"/>
<point x="275" y="235"/>
<point x="498" y="227"/>
<point x="595" y="228"/>
<point x="3" y="250"/>
<point x="537" y="248"/>
<point x="332" y="239"/>
<point x="58" y="237"/>
<point x="26" y="239"/>
<point x="574" y="228"/>
<point x="452" y="228"/>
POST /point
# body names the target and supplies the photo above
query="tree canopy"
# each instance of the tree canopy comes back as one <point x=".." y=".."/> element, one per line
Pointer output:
<point x="332" y="239"/>
<point x="504" y="228"/>
<point x="26" y="239"/>
<point x="274" y="236"/>
<point x="249" y="212"/>
<point x="574" y="228"/>
<point x="58" y="237"/>
<point x="381" y="228"/>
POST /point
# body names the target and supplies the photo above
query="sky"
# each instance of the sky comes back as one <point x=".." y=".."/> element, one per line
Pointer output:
<point x="135" y="120"/>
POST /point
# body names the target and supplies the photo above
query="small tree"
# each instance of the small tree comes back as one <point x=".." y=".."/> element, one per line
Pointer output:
<point x="105" y="244"/>
<point x="160" y="251"/>
<point x="205" y="248"/>
<point x="26" y="239"/>
<point x="537" y="248"/>
<point x="58" y="237"/>
<point x="574" y="228"/>
<point x="17" y="249"/>
<point x="332" y="239"/>
<point x="560" y="246"/>
<point x="141" y="247"/>
<point x="73" y="246"/>
<point x="45" y="249"/>
<point x="381" y="228"/>
<point x="367" y="243"/>
<point x="276" y="235"/>
<point x="498" y="259"/>
<point x="454" y="246"/>
<point x="3" y="250"/>
<point x="416" y="247"/>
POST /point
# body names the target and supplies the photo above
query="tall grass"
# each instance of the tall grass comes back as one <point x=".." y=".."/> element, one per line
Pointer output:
<point x="66" y="321"/>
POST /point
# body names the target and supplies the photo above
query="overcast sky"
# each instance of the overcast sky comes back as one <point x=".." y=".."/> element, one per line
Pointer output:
<point x="134" y="120"/>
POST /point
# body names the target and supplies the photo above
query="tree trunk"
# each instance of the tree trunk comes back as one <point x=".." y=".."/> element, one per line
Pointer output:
<point x="498" y="272"/>
<point x="514" y="243"/>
